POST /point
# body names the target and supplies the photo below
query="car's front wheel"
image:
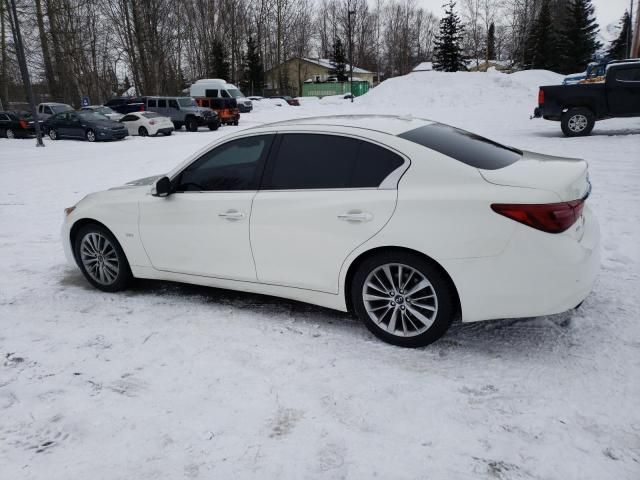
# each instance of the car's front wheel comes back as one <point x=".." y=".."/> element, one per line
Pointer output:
<point x="101" y="259"/>
<point x="143" y="132"/>
<point x="192" y="124"/>
<point x="90" y="136"/>
<point x="403" y="299"/>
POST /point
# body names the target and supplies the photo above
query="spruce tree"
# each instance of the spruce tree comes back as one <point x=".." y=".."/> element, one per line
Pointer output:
<point x="338" y="60"/>
<point x="218" y="65"/>
<point x="491" y="42"/>
<point x="619" y="47"/>
<point x="448" y="46"/>
<point x="253" y="78"/>
<point x="579" y="36"/>
<point x="542" y="49"/>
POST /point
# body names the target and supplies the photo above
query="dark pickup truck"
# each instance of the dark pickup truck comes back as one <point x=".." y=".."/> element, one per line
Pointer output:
<point x="578" y="107"/>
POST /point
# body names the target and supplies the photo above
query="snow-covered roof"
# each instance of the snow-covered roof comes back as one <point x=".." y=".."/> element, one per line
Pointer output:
<point x="423" y="67"/>
<point x="326" y="63"/>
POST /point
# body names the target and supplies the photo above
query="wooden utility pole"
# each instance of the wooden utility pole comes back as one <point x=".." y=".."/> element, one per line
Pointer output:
<point x="17" y="38"/>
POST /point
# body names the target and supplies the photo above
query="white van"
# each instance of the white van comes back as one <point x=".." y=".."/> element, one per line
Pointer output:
<point x="216" y="88"/>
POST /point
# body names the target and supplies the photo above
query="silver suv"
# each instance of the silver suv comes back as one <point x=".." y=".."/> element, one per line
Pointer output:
<point x="183" y="111"/>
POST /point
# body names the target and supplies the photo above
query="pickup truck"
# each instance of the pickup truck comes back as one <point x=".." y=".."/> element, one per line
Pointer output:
<point x="578" y="107"/>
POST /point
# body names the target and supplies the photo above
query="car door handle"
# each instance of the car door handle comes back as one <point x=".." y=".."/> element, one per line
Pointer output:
<point x="356" y="216"/>
<point x="232" y="215"/>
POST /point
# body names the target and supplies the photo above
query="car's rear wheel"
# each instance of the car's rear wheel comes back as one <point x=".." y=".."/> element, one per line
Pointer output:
<point x="143" y="132"/>
<point x="10" y="133"/>
<point x="101" y="259"/>
<point x="90" y="135"/>
<point x="192" y="124"/>
<point x="53" y="134"/>
<point x="177" y="125"/>
<point x="577" y="122"/>
<point x="403" y="299"/>
<point x="214" y="126"/>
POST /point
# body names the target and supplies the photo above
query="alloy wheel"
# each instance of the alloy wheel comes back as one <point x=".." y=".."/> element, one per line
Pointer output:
<point x="400" y="299"/>
<point x="91" y="136"/>
<point x="578" y="123"/>
<point x="99" y="258"/>
<point x="10" y="133"/>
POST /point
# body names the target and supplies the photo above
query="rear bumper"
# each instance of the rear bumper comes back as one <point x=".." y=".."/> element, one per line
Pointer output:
<point x="537" y="274"/>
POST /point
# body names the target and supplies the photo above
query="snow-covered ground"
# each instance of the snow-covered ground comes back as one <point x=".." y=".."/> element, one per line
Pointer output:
<point x="171" y="381"/>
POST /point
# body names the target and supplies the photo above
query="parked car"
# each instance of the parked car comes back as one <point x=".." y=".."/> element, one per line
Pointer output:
<point x="290" y="100"/>
<point x="47" y="109"/>
<point x="406" y="222"/>
<point x="578" y="107"/>
<point x="218" y="88"/>
<point x="124" y="105"/>
<point x="225" y="108"/>
<point x="183" y="111"/>
<point x="16" y="125"/>
<point x="255" y="98"/>
<point x="88" y="125"/>
<point x="103" y="110"/>
<point x="147" y="123"/>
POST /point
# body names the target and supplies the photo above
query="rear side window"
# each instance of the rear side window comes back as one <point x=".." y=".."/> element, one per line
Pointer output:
<point x="152" y="103"/>
<point x="316" y="161"/>
<point x="211" y="93"/>
<point x="162" y="104"/>
<point x="466" y="147"/>
<point x="628" y="75"/>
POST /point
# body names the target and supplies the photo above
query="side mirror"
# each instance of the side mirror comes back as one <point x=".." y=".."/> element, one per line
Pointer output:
<point x="163" y="187"/>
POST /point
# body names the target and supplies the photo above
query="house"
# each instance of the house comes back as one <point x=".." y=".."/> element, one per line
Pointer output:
<point x="297" y="70"/>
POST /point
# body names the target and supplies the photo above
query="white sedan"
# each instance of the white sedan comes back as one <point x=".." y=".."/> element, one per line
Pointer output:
<point x="147" y="123"/>
<point x="407" y="223"/>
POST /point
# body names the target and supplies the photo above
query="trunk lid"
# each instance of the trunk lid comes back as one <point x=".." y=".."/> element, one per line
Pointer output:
<point x="567" y="177"/>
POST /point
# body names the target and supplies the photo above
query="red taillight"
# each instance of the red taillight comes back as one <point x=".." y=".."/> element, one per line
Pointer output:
<point x="23" y="124"/>
<point x="548" y="217"/>
<point x="142" y="108"/>
<point x="541" y="97"/>
<point x="152" y="122"/>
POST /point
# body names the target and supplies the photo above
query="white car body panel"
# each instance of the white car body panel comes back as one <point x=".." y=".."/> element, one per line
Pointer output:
<point x="303" y="251"/>
<point x="153" y="125"/>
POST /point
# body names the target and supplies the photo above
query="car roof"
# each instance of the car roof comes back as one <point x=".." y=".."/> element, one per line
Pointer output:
<point x="390" y="124"/>
<point x="55" y="103"/>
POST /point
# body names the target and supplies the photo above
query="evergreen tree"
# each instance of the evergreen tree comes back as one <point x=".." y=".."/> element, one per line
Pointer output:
<point x="619" y="47"/>
<point x="579" y="36"/>
<point x="448" y="44"/>
<point x="338" y="60"/>
<point x="491" y="42"/>
<point x="218" y="65"/>
<point x="253" y="78"/>
<point x="542" y="48"/>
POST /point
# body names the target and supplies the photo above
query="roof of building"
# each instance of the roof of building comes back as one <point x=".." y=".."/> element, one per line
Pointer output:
<point x="326" y="63"/>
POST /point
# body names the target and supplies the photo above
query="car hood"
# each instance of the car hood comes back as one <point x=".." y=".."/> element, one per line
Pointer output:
<point x="141" y="182"/>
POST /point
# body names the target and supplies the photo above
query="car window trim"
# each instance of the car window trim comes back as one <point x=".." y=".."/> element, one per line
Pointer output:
<point x="390" y="182"/>
<point x="259" y="173"/>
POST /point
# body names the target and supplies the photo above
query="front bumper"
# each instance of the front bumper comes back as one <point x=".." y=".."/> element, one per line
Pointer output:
<point x="537" y="273"/>
<point x="244" y="108"/>
<point x="111" y="134"/>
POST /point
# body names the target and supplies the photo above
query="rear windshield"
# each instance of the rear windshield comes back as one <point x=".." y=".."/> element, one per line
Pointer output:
<point x="150" y="114"/>
<point x="466" y="147"/>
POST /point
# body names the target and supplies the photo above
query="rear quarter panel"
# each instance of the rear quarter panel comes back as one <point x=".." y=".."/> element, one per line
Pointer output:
<point x="560" y="97"/>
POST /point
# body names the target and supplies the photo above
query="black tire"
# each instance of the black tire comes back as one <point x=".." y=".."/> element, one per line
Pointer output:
<point x="143" y="132"/>
<point x="53" y="134"/>
<point x="236" y="123"/>
<point x="90" y="135"/>
<point x="9" y="133"/>
<point x="577" y="122"/>
<point x="177" y="125"/>
<point x="123" y="277"/>
<point x="214" y="126"/>
<point x="444" y="300"/>
<point x="192" y="124"/>
<point x="167" y="133"/>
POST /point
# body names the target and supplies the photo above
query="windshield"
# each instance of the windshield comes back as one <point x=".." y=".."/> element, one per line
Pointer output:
<point x="60" y="108"/>
<point x="92" y="116"/>
<point x="187" y="102"/>
<point x="235" y="93"/>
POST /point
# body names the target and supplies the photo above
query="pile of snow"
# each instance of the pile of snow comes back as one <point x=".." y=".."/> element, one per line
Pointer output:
<point x="270" y="103"/>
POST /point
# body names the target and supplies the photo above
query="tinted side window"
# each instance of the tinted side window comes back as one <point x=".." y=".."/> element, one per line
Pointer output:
<point x="48" y="110"/>
<point x="152" y="103"/>
<point x="466" y="147"/>
<point x="129" y="118"/>
<point x="628" y="75"/>
<point x="373" y="165"/>
<point x="162" y="103"/>
<point x="211" y="93"/>
<point x="308" y="161"/>
<point x="173" y="104"/>
<point x="224" y="94"/>
<point x="235" y="165"/>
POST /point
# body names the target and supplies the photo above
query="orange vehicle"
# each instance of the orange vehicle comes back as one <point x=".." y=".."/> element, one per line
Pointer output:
<point x="227" y="108"/>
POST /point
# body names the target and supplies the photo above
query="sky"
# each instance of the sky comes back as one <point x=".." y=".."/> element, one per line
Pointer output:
<point x="607" y="11"/>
